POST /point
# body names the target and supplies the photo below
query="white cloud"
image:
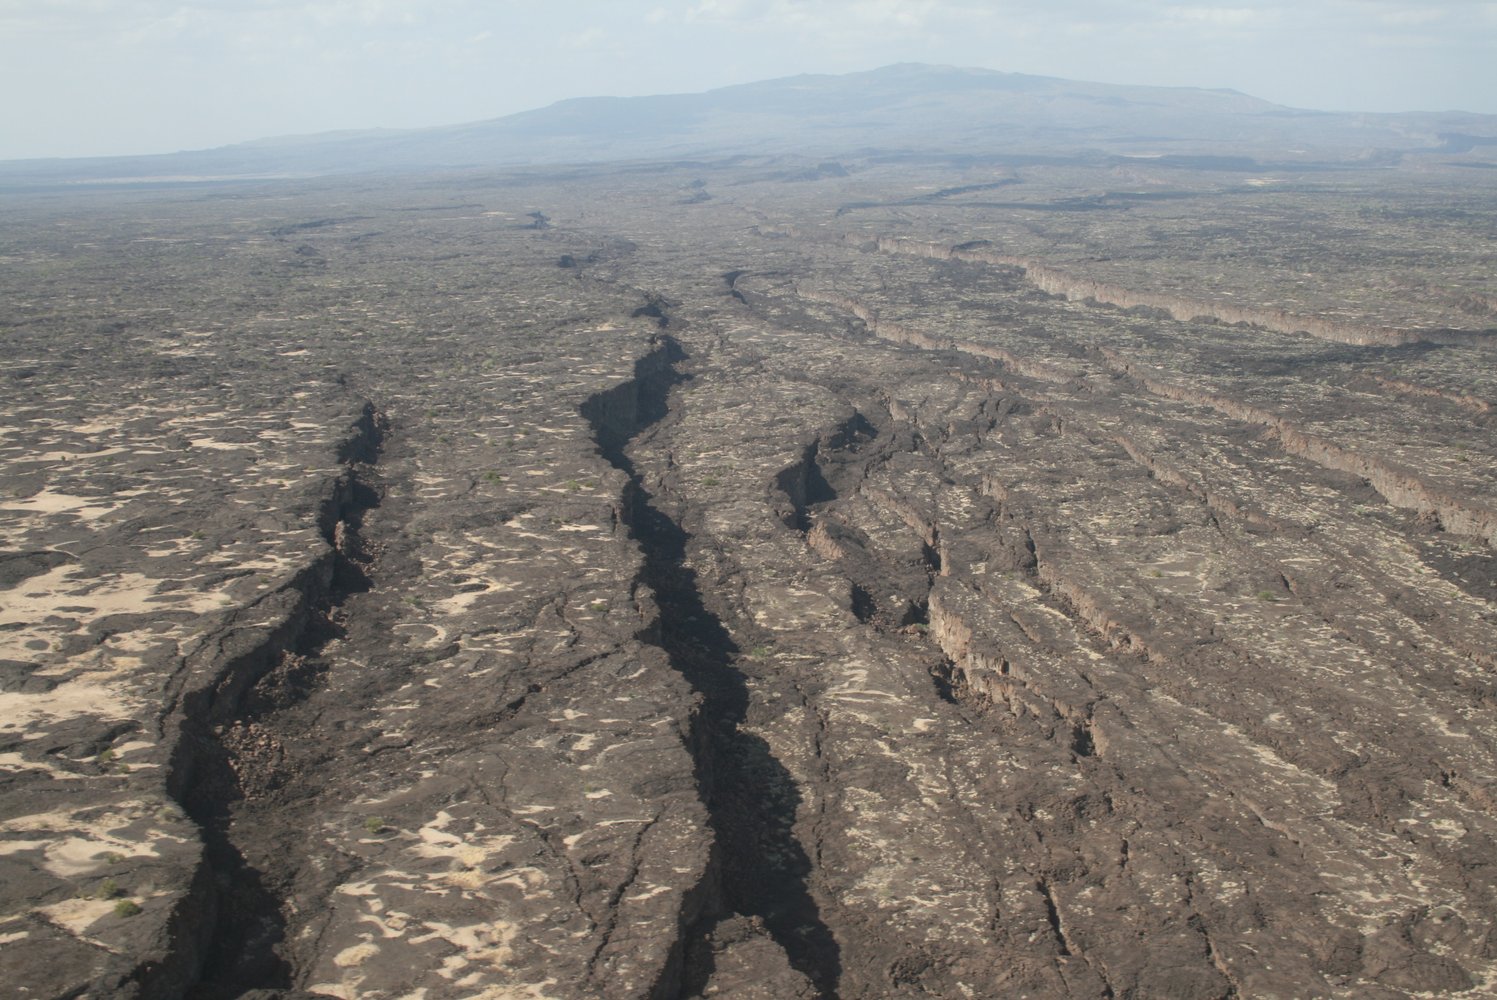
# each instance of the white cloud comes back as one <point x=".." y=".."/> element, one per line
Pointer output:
<point x="721" y="10"/>
<point x="1406" y="17"/>
<point x="587" y="38"/>
<point x="1219" y="17"/>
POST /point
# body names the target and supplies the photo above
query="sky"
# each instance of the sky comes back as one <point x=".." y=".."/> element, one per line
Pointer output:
<point x="115" y="77"/>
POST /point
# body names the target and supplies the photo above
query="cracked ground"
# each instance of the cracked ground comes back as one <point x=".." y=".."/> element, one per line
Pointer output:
<point x="688" y="582"/>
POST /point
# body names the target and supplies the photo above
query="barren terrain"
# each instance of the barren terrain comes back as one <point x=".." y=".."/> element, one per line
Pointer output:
<point x="755" y="578"/>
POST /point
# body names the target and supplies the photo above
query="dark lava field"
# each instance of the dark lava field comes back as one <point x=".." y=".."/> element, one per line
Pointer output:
<point x="758" y="578"/>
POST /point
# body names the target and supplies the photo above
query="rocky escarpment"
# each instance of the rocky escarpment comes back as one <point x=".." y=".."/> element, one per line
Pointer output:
<point x="1480" y="407"/>
<point x="1078" y="288"/>
<point x="1400" y="487"/>
<point x="901" y="333"/>
<point x="1073" y="574"/>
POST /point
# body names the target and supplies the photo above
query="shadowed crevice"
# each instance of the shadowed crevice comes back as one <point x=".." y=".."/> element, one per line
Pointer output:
<point x="751" y="799"/>
<point x="227" y="763"/>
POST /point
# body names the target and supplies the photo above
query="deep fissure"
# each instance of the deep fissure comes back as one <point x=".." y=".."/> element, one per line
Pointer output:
<point x="760" y="867"/>
<point x="226" y="764"/>
<point x="884" y="592"/>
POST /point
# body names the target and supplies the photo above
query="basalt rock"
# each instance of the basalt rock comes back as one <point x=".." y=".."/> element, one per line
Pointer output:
<point x="578" y="589"/>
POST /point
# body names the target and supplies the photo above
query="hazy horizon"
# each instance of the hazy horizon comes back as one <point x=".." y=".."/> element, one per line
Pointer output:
<point x="153" y="76"/>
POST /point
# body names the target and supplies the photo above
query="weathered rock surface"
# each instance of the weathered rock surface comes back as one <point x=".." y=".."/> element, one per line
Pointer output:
<point x="725" y="596"/>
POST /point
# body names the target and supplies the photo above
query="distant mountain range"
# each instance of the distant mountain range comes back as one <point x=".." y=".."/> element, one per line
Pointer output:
<point x="907" y="109"/>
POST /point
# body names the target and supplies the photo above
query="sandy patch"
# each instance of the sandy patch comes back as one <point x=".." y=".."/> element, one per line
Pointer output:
<point x="51" y="502"/>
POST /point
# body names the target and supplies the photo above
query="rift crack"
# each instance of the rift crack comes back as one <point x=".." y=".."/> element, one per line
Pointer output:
<point x="760" y="868"/>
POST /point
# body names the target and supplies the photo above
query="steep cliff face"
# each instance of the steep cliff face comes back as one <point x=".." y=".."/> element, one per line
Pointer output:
<point x="1078" y="288"/>
<point x="1398" y="486"/>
